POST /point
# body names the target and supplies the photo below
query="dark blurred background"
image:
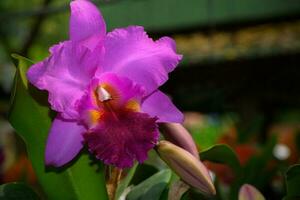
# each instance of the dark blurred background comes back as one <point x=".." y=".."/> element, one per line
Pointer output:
<point x="238" y="82"/>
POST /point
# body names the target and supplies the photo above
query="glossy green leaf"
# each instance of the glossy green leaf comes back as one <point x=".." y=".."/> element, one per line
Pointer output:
<point x="31" y="118"/>
<point x="293" y="182"/>
<point x="223" y="154"/>
<point x="20" y="191"/>
<point x="152" y="188"/>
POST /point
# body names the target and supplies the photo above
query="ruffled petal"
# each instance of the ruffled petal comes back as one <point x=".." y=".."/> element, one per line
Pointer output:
<point x="65" y="75"/>
<point x="160" y="105"/>
<point x="119" y="141"/>
<point x="86" y="23"/>
<point x="130" y="52"/>
<point x="64" y="142"/>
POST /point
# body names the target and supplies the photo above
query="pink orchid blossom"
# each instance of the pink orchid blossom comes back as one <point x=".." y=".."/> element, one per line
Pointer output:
<point x="104" y="87"/>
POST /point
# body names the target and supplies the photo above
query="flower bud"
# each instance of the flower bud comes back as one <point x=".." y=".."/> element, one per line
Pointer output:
<point x="177" y="134"/>
<point x="248" y="192"/>
<point x="189" y="168"/>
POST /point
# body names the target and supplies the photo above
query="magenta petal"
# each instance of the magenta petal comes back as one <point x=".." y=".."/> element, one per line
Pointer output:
<point x="65" y="75"/>
<point x="64" y="142"/>
<point x="130" y="52"/>
<point x="160" y="105"/>
<point x="119" y="141"/>
<point x="86" y="22"/>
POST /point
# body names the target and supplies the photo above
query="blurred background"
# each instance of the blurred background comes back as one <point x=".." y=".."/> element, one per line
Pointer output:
<point x="238" y="83"/>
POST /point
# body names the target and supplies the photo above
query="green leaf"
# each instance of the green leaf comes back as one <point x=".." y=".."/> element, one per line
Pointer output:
<point x="152" y="188"/>
<point x="125" y="182"/>
<point x="293" y="182"/>
<point x="13" y="191"/>
<point x="142" y="172"/>
<point x="31" y="118"/>
<point x="223" y="154"/>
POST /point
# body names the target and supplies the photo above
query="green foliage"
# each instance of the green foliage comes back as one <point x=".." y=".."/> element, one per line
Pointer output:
<point x="223" y="154"/>
<point x="20" y="191"/>
<point x="142" y="172"/>
<point x="31" y="118"/>
<point x="256" y="168"/>
<point x="208" y="135"/>
<point x="211" y="129"/>
<point x="256" y="172"/>
<point x="126" y="181"/>
<point x="152" y="188"/>
<point x="293" y="182"/>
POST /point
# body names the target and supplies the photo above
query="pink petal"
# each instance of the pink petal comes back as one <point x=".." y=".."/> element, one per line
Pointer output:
<point x="64" y="142"/>
<point x="249" y="192"/>
<point x="65" y="75"/>
<point x="86" y="22"/>
<point x="178" y="135"/>
<point x="130" y="52"/>
<point x="160" y="105"/>
<point x="119" y="141"/>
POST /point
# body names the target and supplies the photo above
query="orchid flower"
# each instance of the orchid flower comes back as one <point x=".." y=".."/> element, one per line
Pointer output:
<point x="104" y="88"/>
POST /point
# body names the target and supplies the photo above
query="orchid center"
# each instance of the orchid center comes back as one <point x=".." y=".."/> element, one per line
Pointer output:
<point x="118" y="131"/>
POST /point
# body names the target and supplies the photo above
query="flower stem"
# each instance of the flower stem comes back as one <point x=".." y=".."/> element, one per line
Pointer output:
<point x="113" y="182"/>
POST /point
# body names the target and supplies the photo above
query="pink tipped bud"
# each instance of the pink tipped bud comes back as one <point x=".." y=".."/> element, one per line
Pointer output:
<point x="189" y="168"/>
<point x="178" y="135"/>
<point x="248" y="192"/>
